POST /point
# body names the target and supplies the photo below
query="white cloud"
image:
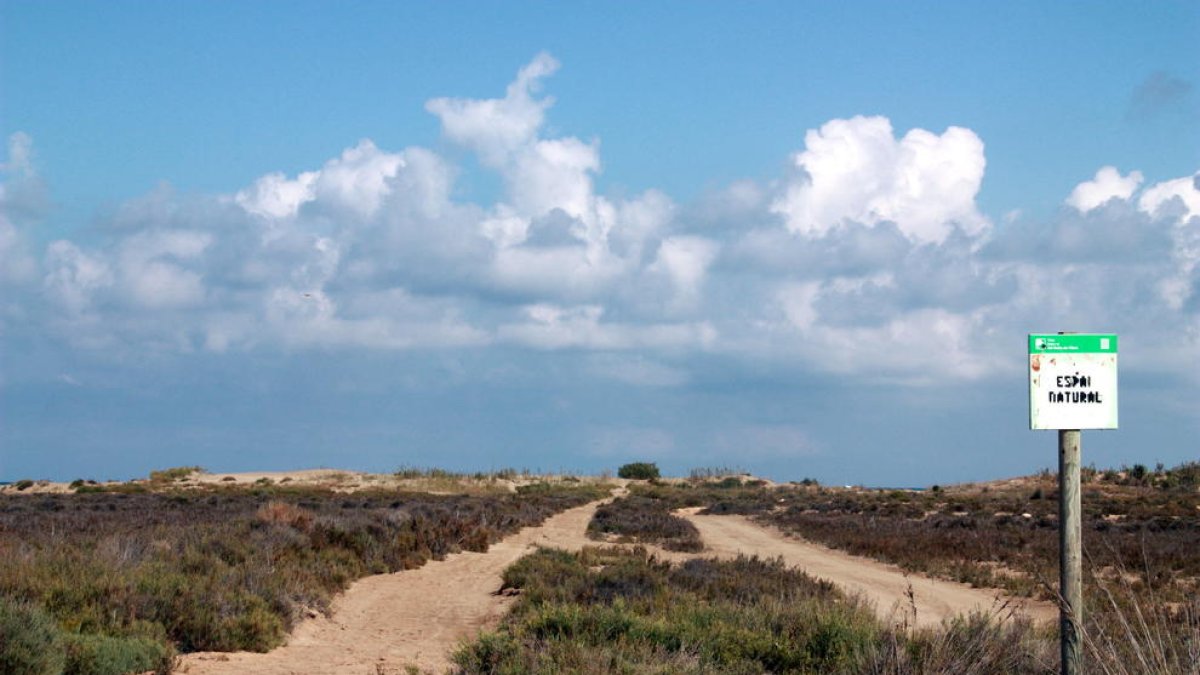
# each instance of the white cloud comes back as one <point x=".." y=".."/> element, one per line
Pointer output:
<point x="685" y="260"/>
<point x="276" y="196"/>
<point x="359" y="180"/>
<point x="495" y="128"/>
<point x="22" y="200"/>
<point x="870" y="263"/>
<point x="1108" y="184"/>
<point x="74" y="277"/>
<point x="555" y="174"/>
<point x="397" y="321"/>
<point x="153" y="268"/>
<point x="1181" y="193"/>
<point x="357" y="183"/>
<point x="1179" y="198"/>
<point x="856" y="171"/>
<point x="20" y="155"/>
<point x="16" y="264"/>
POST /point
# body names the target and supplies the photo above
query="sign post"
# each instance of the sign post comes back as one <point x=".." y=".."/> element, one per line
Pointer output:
<point x="1072" y="386"/>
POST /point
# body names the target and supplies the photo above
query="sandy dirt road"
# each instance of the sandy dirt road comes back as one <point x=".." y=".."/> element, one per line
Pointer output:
<point x="386" y="623"/>
<point x="884" y="585"/>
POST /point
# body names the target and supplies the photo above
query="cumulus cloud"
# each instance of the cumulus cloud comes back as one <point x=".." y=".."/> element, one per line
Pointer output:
<point x="685" y="261"/>
<point x="356" y="183"/>
<point x="1179" y="197"/>
<point x="855" y="170"/>
<point x="870" y="260"/>
<point x="23" y="200"/>
<point x="1107" y="185"/>
<point x="75" y="277"/>
<point x="497" y="128"/>
<point x="1178" y="202"/>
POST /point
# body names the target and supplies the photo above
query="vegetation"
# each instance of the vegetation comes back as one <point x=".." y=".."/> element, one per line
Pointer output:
<point x="115" y="581"/>
<point x="174" y="474"/>
<point x="613" y="610"/>
<point x="638" y="471"/>
<point x="1141" y="543"/>
<point x="704" y="473"/>
<point x="30" y="642"/>
<point x="118" y="578"/>
<point x="644" y="520"/>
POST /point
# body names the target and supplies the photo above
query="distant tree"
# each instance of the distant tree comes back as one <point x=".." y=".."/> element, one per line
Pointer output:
<point x="639" y="471"/>
<point x="1138" y="473"/>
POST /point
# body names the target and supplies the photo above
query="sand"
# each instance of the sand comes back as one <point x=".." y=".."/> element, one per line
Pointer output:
<point x="390" y="623"/>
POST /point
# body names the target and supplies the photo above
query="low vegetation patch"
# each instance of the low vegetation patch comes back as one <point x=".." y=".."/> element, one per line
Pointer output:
<point x="645" y="520"/>
<point x="609" y="610"/>
<point x="116" y="581"/>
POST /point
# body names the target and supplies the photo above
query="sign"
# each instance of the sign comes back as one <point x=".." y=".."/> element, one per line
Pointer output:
<point x="1073" y="381"/>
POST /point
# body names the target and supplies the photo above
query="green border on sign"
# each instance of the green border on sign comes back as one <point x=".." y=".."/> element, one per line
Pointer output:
<point x="1074" y="343"/>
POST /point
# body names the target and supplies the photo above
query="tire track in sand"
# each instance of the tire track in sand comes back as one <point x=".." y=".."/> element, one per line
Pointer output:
<point x="886" y="586"/>
<point x="385" y="623"/>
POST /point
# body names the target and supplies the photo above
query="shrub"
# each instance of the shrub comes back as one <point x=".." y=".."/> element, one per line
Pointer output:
<point x="639" y="471"/>
<point x="24" y="484"/>
<point x="624" y="611"/>
<point x="283" y="513"/>
<point x="30" y="642"/>
<point x="174" y="474"/>
<point x="645" y="520"/>
<point x="105" y="655"/>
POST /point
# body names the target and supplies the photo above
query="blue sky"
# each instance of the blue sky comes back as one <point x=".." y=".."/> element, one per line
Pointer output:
<point x="804" y="239"/>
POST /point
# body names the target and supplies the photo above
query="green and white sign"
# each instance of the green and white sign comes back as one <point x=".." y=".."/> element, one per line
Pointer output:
<point x="1073" y="381"/>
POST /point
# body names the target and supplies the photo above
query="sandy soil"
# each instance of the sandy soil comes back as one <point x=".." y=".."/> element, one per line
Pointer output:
<point x="385" y="623"/>
<point x="886" y="586"/>
<point x="331" y="479"/>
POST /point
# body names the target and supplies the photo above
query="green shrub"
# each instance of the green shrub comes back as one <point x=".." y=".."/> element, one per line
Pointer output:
<point x="106" y="655"/>
<point x="639" y="471"/>
<point x="174" y="474"/>
<point x="30" y="642"/>
<point x="24" y="484"/>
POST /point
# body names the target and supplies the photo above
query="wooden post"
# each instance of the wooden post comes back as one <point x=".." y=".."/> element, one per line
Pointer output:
<point x="1070" y="554"/>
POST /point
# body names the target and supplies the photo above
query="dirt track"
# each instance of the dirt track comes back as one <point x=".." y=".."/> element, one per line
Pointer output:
<point x="385" y="623"/>
<point x="884" y="585"/>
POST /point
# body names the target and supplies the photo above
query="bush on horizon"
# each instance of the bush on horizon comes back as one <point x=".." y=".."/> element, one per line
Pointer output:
<point x="638" y="471"/>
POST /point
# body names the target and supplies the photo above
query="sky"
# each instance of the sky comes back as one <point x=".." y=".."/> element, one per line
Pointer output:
<point x="798" y="239"/>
